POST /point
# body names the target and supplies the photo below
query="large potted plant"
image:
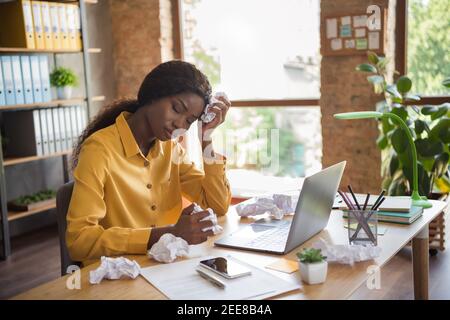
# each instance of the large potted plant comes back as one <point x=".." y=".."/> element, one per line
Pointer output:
<point x="64" y="80"/>
<point x="312" y="265"/>
<point x="430" y="126"/>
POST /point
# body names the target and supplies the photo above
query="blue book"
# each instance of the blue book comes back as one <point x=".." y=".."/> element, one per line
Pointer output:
<point x="8" y="80"/>
<point x="397" y="217"/>
<point x="36" y="77"/>
<point x="45" y="78"/>
<point x="27" y="80"/>
<point x="2" y="87"/>
<point x="17" y="75"/>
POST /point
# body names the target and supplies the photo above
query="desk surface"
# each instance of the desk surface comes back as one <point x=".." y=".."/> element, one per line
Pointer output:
<point x="342" y="280"/>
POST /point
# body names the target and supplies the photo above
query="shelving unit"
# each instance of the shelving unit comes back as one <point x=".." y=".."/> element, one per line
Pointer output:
<point x="7" y="216"/>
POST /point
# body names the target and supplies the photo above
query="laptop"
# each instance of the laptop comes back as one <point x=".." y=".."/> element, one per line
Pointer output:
<point x="311" y="216"/>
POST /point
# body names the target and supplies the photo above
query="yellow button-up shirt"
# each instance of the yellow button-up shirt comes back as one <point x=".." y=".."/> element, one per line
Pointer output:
<point x="119" y="194"/>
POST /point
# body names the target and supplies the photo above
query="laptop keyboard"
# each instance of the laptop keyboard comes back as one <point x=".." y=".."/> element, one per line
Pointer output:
<point x="272" y="239"/>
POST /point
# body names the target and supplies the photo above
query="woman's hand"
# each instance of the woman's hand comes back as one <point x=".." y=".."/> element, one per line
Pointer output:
<point x="189" y="227"/>
<point x="220" y="108"/>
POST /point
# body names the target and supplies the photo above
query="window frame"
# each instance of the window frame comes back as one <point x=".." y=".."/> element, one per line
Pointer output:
<point x="401" y="53"/>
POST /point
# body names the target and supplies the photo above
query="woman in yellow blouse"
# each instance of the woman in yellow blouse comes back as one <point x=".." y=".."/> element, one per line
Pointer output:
<point x="130" y="176"/>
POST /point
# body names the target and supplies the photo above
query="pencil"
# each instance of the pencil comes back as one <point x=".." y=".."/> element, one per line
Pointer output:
<point x="354" y="197"/>
<point x="367" y="200"/>
<point x="378" y="205"/>
<point x="379" y="198"/>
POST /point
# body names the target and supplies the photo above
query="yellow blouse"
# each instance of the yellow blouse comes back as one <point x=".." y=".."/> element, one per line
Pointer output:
<point x="119" y="194"/>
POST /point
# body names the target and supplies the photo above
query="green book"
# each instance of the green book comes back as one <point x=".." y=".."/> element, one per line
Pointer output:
<point x="398" y="217"/>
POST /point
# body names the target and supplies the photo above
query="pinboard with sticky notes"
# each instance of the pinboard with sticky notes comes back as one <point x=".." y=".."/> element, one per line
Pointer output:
<point x="354" y="34"/>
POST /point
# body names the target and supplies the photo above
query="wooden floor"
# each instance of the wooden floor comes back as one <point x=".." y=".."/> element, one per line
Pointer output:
<point x="35" y="260"/>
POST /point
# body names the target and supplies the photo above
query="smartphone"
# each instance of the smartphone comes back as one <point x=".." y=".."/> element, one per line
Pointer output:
<point x="226" y="267"/>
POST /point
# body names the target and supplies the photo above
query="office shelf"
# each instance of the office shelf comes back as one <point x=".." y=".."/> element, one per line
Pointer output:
<point x="86" y="52"/>
<point x="14" y="215"/>
<point x="52" y="103"/>
<point x="13" y="161"/>
<point x="27" y="50"/>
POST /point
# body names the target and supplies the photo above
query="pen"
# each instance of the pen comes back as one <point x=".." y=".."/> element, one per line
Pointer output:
<point x="211" y="279"/>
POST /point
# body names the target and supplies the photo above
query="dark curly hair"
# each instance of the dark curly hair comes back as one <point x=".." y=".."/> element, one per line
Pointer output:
<point x="169" y="78"/>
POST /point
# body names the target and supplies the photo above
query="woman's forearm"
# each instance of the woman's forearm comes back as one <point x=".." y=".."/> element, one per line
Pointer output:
<point x="158" y="232"/>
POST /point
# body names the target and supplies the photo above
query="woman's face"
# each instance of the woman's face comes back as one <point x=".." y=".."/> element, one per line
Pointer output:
<point x="169" y="114"/>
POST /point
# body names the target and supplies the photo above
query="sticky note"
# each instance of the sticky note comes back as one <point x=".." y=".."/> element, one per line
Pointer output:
<point x="336" y="44"/>
<point x="360" y="21"/>
<point x="349" y="44"/>
<point x="360" y="32"/>
<point x="374" y="40"/>
<point x="284" y="265"/>
<point x="346" y="31"/>
<point x="331" y="28"/>
<point x="346" y="20"/>
<point x="361" y="44"/>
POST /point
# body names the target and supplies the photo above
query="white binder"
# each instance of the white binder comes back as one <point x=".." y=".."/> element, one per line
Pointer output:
<point x="17" y="75"/>
<point x="36" y="78"/>
<point x="8" y="80"/>
<point x="37" y="132"/>
<point x="37" y="23"/>
<point x="68" y="127"/>
<point x="44" y="131"/>
<point x="63" y="129"/>
<point x="56" y="129"/>
<point x="27" y="80"/>
<point x="46" y="25"/>
<point x="2" y="87"/>
<point x="54" y="21"/>
<point x="45" y="78"/>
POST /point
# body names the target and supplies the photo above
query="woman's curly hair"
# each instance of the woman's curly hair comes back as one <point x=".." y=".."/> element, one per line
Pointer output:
<point x="167" y="79"/>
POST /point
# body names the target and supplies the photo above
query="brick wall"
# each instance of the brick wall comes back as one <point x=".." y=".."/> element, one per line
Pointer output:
<point x="142" y="34"/>
<point x="343" y="89"/>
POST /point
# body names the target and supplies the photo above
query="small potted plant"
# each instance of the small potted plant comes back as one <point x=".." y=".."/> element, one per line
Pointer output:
<point x="312" y="265"/>
<point x="63" y="79"/>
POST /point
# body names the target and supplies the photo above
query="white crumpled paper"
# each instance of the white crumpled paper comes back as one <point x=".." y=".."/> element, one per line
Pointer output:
<point x="347" y="254"/>
<point x="168" y="248"/>
<point x="207" y="115"/>
<point x="277" y="206"/>
<point x="114" y="268"/>
<point x="216" y="228"/>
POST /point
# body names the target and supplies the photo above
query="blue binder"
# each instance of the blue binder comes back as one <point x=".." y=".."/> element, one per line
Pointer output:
<point x="17" y="75"/>
<point x="8" y="80"/>
<point x="36" y="77"/>
<point x="27" y="80"/>
<point x="45" y="78"/>
<point x="2" y="87"/>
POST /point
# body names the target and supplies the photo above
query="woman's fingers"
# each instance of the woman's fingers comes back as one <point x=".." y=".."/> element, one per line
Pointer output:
<point x="205" y="224"/>
<point x="188" y="210"/>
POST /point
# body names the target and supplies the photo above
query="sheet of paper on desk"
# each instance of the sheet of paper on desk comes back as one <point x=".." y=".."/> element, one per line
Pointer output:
<point x="179" y="281"/>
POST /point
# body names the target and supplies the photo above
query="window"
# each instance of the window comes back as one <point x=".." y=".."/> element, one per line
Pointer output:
<point x="265" y="56"/>
<point x="255" y="49"/>
<point x="428" y="39"/>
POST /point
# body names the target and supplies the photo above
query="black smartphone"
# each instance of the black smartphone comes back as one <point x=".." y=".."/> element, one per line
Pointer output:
<point x="227" y="268"/>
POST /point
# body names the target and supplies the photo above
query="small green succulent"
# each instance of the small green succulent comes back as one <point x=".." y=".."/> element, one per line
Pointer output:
<point x="311" y="255"/>
<point x="62" y="77"/>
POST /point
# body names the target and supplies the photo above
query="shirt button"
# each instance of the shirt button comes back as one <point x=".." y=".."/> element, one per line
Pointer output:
<point x="149" y="186"/>
<point x="146" y="163"/>
<point x="153" y="207"/>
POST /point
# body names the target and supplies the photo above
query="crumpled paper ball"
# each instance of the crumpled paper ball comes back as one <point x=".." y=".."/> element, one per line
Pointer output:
<point x="168" y="248"/>
<point x="216" y="228"/>
<point x="277" y="206"/>
<point x="346" y="253"/>
<point x="114" y="268"/>
<point x="207" y="115"/>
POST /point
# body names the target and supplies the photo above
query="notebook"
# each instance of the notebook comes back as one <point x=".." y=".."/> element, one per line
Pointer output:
<point x="398" y="217"/>
<point x="391" y="204"/>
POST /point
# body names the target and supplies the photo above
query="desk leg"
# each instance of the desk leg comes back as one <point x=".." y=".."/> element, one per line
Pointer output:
<point x="421" y="258"/>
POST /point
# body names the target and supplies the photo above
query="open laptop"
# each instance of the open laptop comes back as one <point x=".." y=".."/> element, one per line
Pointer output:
<point x="311" y="216"/>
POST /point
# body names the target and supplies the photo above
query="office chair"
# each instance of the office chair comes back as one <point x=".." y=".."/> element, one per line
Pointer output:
<point x="63" y="197"/>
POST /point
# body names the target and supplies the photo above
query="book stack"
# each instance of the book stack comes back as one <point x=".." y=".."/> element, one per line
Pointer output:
<point x="393" y="209"/>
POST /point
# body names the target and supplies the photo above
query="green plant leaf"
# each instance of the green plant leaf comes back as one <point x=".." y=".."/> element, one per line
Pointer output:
<point x="387" y="126"/>
<point x="412" y="97"/>
<point x="375" y="79"/>
<point x="446" y="82"/>
<point x="392" y="90"/>
<point x="365" y="67"/>
<point x="404" y="84"/>
<point x="399" y="140"/>
<point x="382" y="62"/>
<point x="394" y="165"/>
<point x="441" y="131"/>
<point x="382" y="141"/>
<point x="442" y="111"/>
<point x="401" y="112"/>
<point x="440" y="165"/>
<point x="419" y="126"/>
<point x="428" y="147"/>
<point x="429" y="110"/>
<point x="423" y="178"/>
<point x="372" y="57"/>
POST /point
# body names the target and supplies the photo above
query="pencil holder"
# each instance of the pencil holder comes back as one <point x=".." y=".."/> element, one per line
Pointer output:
<point x="362" y="227"/>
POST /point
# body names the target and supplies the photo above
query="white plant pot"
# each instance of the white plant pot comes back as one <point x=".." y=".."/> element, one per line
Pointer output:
<point x="64" y="93"/>
<point x="313" y="273"/>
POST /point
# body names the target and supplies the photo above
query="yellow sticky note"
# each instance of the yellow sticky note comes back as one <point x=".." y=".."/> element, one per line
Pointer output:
<point x="284" y="265"/>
